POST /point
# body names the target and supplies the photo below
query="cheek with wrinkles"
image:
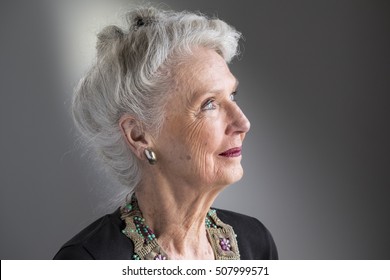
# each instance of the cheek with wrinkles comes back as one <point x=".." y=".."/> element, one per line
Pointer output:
<point x="201" y="138"/>
<point x="198" y="138"/>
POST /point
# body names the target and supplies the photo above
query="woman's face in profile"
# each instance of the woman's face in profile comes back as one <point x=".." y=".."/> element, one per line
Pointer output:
<point x="204" y="128"/>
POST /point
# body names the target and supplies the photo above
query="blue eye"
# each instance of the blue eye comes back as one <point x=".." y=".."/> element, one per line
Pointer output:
<point x="209" y="105"/>
<point x="233" y="96"/>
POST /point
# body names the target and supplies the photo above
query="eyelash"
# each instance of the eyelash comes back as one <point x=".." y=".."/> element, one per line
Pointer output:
<point x="205" y="106"/>
<point x="233" y="96"/>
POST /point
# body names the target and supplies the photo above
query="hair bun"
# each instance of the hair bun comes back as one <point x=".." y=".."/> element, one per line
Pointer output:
<point x="141" y="21"/>
<point x="142" y="17"/>
<point x="107" y="37"/>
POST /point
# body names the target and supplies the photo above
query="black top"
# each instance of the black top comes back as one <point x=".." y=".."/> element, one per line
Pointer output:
<point x="104" y="240"/>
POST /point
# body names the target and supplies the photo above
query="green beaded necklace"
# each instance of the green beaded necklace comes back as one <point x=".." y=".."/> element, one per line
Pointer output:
<point x="222" y="237"/>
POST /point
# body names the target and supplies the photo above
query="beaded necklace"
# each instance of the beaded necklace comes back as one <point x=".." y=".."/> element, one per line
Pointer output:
<point x="221" y="236"/>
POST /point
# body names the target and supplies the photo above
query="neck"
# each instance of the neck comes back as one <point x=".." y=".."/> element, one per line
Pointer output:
<point x="176" y="212"/>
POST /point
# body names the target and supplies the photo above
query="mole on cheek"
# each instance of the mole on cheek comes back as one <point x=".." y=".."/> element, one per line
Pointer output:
<point x="188" y="157"/>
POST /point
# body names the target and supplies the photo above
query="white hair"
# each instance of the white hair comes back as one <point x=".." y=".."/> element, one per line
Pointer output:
<point x="133" y="75"/>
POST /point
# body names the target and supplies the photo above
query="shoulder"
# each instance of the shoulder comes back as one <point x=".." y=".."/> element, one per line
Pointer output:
<point x="103" y="239"/>
<point x="253" y="238"/>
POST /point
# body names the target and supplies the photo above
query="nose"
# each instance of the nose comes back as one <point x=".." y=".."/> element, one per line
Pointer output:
<point x="237" y="121"/>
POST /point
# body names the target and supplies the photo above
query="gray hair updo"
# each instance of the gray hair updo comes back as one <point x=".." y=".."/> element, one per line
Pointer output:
<point x="133" y="75"/>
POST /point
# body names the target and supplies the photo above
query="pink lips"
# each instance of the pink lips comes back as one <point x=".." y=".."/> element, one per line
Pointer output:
<point x="234" y="152"/>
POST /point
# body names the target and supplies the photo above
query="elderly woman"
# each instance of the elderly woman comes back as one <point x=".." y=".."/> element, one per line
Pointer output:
<point x="159" y="108"/>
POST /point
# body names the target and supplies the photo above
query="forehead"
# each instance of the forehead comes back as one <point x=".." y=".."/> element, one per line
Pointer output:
<point x="205" y="71"/>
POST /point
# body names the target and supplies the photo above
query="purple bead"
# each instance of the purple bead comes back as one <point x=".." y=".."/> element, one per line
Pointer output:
<point x="225" y="244"/>
<point x="160" y="257"/>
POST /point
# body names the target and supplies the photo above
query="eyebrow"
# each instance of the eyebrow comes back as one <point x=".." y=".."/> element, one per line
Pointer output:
<point x="236" y="84"/>
<point x="218" y="90"/>
<point x="199" y="94"/>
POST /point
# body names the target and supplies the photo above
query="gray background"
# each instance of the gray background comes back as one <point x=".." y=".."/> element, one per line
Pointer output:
<point x="314" y="81"/>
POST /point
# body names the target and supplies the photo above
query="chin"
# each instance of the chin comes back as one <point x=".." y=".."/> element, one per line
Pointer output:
<point x="233" y="175"/>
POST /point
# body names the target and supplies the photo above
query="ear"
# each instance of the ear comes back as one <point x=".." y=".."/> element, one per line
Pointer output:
<point x="134" y="134"/>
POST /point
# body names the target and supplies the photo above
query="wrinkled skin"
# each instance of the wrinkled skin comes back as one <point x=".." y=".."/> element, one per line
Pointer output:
<point x="202" y="121"/>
